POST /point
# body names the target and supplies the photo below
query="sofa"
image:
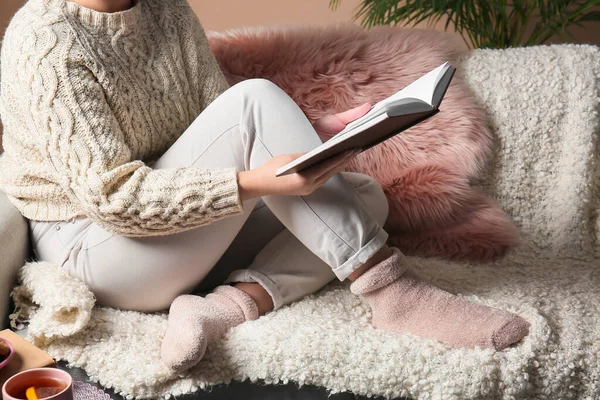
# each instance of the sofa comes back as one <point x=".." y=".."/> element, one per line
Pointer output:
<point x="506" y="114"/>
<point x="14" y="249"/>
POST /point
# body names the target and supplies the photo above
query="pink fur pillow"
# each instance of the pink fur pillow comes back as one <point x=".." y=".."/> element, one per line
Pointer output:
<point x="425" y="171"/>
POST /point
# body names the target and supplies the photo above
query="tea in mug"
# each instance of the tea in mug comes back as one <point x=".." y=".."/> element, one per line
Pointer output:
<point x="42" y="388"/>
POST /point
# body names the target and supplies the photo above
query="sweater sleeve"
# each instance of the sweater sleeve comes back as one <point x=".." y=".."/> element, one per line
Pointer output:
<point x="85" y="148"/>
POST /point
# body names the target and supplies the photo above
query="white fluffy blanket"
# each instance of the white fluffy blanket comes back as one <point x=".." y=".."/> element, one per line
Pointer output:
<point x="543" y="104"/>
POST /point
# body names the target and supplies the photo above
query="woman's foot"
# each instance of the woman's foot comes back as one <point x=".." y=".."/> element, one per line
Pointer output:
<point x="403" y="303"/>
<point x="196" y="321"/>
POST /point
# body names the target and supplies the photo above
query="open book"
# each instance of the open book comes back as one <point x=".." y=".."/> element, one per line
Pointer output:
<point x="411" y="105"/>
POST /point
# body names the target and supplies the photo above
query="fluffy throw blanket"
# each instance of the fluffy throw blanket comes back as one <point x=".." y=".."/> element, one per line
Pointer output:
<point x="543" y="105"/>
<point x="425" y="171"/>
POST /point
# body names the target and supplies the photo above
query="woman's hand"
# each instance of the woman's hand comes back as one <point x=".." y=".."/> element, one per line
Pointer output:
<point x="262" y="181"/>
<point x="331" y="125"/>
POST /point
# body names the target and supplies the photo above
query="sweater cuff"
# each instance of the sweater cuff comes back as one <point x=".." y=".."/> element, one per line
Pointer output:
<point x="225" y="192"/>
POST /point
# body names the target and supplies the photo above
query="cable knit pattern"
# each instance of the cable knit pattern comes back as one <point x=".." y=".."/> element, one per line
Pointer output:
<point x="89" y="99"/>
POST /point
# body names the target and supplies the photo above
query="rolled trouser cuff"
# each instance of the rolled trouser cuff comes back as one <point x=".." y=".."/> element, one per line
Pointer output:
<point x="249" y="275"/>
<point x="362" y="255"/>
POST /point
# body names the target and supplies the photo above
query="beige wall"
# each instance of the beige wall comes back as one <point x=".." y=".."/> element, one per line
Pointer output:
<point x="217" y="15"/>
<point x="224" y="14"/>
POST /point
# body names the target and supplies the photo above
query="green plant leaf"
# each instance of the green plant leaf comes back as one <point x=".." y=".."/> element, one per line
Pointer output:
<point x="484" y="23"/>
<point x="334" y="4"/>
<point x="591" y="16"/>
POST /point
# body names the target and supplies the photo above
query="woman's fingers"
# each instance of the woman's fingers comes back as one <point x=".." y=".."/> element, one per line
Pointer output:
<point x="332" y="172"/>
<point x="321" y="174"/>
<point x="315" y="173"/>
<point x="338" y="167"/>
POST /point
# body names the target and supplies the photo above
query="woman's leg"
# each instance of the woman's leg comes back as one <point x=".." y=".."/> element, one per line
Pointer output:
<point x="141" y="274"/>
<point x="335" y="226"/>
<point x="332" y="222"/>
<point x="287" y="269"/>
<point x="243" y="128"/>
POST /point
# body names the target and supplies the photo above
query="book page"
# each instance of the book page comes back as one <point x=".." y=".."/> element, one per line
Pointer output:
<point x="423" y="89"/>
<point x="441" y="85"/>
<point x="387" y="118"/>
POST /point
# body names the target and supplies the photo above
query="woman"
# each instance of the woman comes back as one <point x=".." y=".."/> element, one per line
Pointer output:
<point x="137" y="167"/>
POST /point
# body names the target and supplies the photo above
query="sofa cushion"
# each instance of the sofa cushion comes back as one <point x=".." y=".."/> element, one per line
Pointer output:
<point x="14" y="245"/>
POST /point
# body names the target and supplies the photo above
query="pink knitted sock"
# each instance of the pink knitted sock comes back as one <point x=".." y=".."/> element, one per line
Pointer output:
<point x="196" y="321"/>
<point x="403" y="303"/>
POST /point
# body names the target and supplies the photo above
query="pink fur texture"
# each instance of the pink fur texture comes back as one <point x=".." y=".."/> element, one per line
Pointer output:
<point x="425" y="171"/>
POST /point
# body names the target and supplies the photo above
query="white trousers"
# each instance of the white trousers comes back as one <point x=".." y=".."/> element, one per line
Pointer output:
<point x="291" y="245"/>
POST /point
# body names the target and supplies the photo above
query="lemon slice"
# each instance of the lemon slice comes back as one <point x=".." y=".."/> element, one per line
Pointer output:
<point x="31" y="394"/>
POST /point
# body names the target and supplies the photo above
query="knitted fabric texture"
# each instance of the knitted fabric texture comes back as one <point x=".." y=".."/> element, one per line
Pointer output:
<point x="401" y="302"/>
<point x="195" y="322"/>
<point x="543" y="105"/>
<point x="88" y="99"/>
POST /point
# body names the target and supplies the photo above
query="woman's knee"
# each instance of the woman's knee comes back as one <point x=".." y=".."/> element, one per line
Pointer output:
<point x="371" y="194"/>
<point x="274" y="116"/>
<point x="259" y="87"/>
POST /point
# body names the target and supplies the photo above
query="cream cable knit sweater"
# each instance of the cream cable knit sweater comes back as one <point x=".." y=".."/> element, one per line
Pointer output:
<point x="88" y="97"/>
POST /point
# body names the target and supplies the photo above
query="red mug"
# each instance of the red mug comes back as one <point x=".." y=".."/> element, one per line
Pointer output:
<point x="54" y="379"/>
